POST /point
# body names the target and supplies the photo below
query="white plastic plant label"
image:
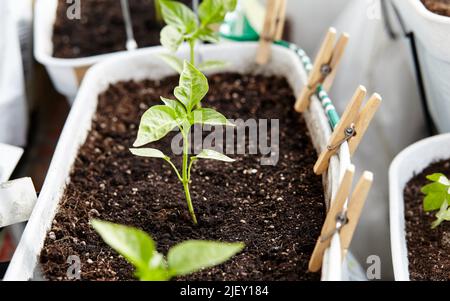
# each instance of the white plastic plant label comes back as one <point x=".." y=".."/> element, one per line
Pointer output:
<point x="9" y="157"/>
<point x="17" y="200"/>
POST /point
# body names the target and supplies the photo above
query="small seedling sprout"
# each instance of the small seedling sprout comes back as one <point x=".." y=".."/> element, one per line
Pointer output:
<point x="138" y="248"/>
<point x="183" y="25"/>
<point x="437" y="197"/>
<point x="181" y="112"/>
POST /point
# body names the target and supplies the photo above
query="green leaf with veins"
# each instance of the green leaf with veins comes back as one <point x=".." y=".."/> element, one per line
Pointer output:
<point x="173" y="61"/>
<point x="214" y="11"/>
<point x="148" y="152"/>
<point x="210" y="117"/>
<point x="208" y="35"/>
<point x="136" y="246"/>
<point x="179" y="15"/>
<point x="437" y="197"/>
<point x="177" y="107"/>
<point x="213" y="155"/>
<point x="171" y="38"/>
<point x="192" y="88"/>
<point x="191" y="256"/>
<point x="156" y="123"/>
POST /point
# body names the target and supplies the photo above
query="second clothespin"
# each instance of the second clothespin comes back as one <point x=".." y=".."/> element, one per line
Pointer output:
<point x="343" y="215"/>
<point x="272" y="30"/>
<point x="351" y="128"/>
<point x="325" y="67"/>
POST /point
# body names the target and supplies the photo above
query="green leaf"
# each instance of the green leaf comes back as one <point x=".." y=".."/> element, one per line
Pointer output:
<point x="136" y="246"/>
<point x="192" y="256"/>
<point x="171" y="38"/>
<point x="173" y="61"/>
<point x="177" y="107"/>
<point x="213" y="155"/>
<point x="434" y="201"/>
<point x="179" y="15"/>
<point x="208" y="35"/>
<point x="442" y="215"/>
<point x="192" y="88"/>
<point x="156" y="123"/>
<point x="440" y="178"/>
<point x="210" y="117"/>
<point x="208" y="65"/>
<point x="148" y="152"/>
<point x="214" y="11"/>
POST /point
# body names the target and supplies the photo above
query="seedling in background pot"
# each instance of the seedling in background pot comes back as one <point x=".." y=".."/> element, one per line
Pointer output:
<point x="139" y="249"/>
<point x="183" y="25"/>
<point x="437" y="197"/>
<point x="183" y="113"/>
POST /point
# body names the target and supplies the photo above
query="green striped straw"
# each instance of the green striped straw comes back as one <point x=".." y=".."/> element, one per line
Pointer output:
<point x="327" y="104"/>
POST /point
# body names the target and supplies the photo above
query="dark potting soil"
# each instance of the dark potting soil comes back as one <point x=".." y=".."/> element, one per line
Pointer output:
<point x="277" y="211"/>
<point x="441" y="7"/>
<point x="428" y="249"/>
<point x="101" y="27"/>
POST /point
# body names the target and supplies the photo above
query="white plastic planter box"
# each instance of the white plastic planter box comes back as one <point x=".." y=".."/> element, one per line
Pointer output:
<point x="432" y="32"/>
<point x="143" y="64"/>
<point x="408" y="163"/>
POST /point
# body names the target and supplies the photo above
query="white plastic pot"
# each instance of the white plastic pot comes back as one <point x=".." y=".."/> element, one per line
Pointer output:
<point x="408" y="163"/>
<point x="432" y="32"/>
<point x="144" y="64"/>
<point x="66" y="74"/>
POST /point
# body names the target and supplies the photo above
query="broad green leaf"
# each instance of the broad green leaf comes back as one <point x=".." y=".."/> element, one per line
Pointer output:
<point x="213" y="155"/>
<point x="214" y="11"/>
<point x="210" y="117"/>
<point x="434" y="187"/>
<point x="192" y="88"/>
<point x="148" y="152"/>
<point x="133" y="244"/>
<point x="433" y="201"/>
<point x="178" y="15"/>
<point x="440" y="178"/>
<point x="176" y="106"/>
<point x="193" y="255"/>
<point x="173" y="61"/>
<point x="171" y="38"/>
<point x="208" y="65"/>
<point x="156" y="123"/>
<point x="208" y="35"/>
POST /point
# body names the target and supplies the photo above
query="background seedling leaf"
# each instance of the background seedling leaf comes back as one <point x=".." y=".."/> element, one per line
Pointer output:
<point x="192" y="88"/>
<point x="148" y="152"/>
<point x="178" y="15"/>
<point x="208" y="65"/>
<point x="171" y="38"/>
<point x="210" y="117"/>
<point x="156" y="123"/>
<point x="213" y="155"/>
<point x="208" y="35"/>
<point x="172" y="61"/>
<point x="214" y="11"/>
<point x="191" y="256"/>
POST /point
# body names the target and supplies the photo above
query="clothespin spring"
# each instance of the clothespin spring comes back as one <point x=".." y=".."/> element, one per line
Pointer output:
<point x="341" y="221"/>
<point x="349" y="132"/>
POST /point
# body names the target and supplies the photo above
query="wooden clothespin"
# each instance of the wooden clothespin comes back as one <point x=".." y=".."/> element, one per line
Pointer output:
<point x="343" y="215"/>
<point x="325" y="67"/>
<point x="351" y="128"/>
<point x="272" y="30"/>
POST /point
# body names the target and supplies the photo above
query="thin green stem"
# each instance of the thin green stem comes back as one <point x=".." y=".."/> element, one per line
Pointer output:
<point x="192" y="51"/>
<point x="185" y="179"/>
<point x="193" y="159"/>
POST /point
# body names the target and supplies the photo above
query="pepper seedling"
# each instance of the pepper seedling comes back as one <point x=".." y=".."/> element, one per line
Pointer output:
<point x="139" y="249"/>
<point x="183" y="25"/>
<point x="180" y="113"/>
<point x="437" y="197"/>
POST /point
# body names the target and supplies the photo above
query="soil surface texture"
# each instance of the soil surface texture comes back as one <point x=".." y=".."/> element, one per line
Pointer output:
<point x="441" y="7"/>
